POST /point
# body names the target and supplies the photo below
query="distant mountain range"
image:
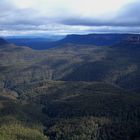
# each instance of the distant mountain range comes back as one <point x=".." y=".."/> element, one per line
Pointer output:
<point x="97" y="39"/>
<point x="90" y="39"/>
<point x="38" y="43"/>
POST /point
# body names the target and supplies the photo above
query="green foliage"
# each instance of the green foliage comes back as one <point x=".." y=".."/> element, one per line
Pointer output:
<point x="19" y="122"/>
<point x="20" y="132"/>
<point x="99" y="99"/>
<point x="85" y="128"/>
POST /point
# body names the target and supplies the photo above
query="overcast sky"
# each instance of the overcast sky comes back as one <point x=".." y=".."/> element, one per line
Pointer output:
<point x="38" y="17"/>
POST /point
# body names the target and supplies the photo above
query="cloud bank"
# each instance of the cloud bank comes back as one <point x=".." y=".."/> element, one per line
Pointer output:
<point x="29" y="17"/>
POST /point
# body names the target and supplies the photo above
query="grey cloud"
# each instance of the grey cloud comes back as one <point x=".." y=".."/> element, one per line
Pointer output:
<point x="17" y="20"/>
<point x="112" y="29"/>
<point x="97" y="22"/>
<point x="128" y="16"/>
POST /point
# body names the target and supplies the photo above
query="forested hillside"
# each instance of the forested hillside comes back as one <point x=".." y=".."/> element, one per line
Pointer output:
<point x="70" y="92"/>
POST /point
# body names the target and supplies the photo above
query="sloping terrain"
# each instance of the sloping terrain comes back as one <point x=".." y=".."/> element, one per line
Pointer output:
<point x="84" y="110"/>
<point x="120" y="65"/>
<point x="72" y="92"/>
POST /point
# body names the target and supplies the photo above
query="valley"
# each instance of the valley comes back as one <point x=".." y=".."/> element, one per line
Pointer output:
<point x="73" y="91"/>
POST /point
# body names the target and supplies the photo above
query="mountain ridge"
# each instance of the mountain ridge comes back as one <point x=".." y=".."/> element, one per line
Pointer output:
<point x="88" y="39"/>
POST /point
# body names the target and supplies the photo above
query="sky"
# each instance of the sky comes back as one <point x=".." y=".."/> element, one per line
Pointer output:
<point x="61" y="17"/>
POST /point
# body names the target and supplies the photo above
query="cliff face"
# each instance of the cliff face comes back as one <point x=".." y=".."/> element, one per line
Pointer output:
<point x="98" y="39"/>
